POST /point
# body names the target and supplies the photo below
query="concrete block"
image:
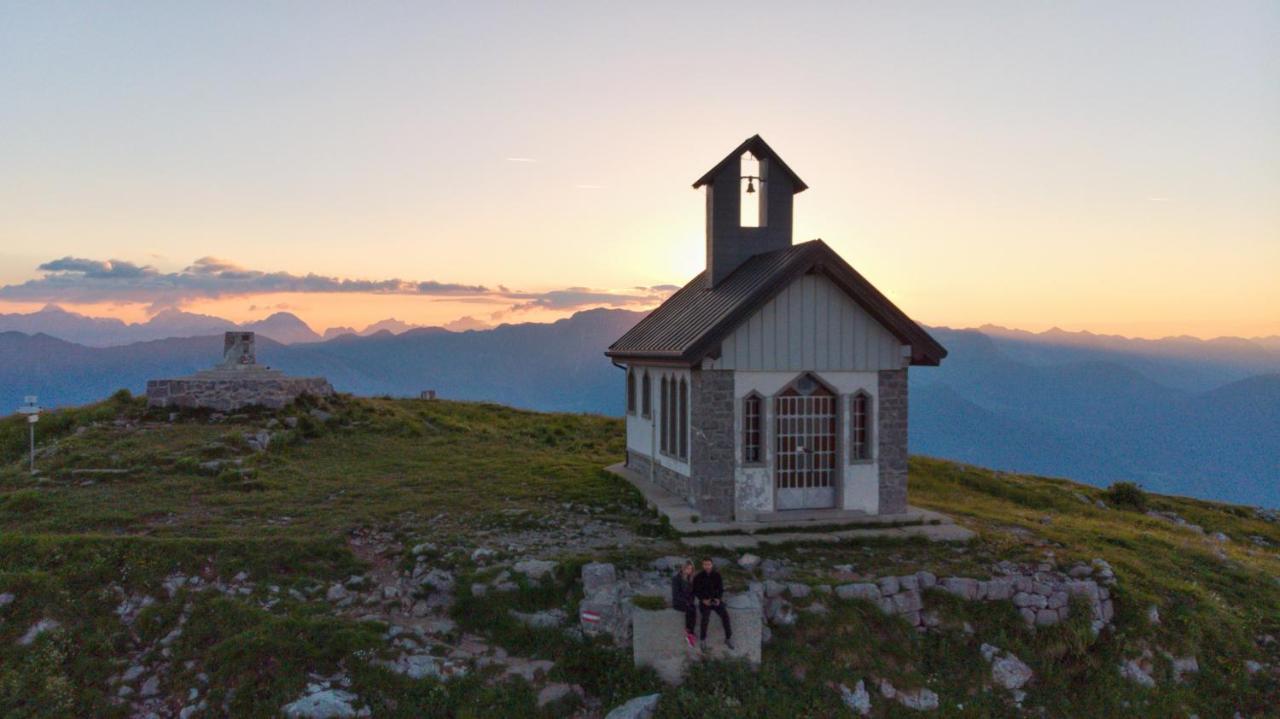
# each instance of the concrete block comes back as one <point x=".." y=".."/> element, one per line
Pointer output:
<point x="658" y="639"/>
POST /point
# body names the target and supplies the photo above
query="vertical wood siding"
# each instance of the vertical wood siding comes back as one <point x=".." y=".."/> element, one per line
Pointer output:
<point x="811" y="325"/>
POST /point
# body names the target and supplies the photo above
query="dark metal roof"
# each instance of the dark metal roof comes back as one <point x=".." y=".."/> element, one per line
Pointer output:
<point x="761" y="150"/>
<point x="693" y="321"/>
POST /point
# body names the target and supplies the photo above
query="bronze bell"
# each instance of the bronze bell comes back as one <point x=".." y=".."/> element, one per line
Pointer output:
<point x="751" y="188"/>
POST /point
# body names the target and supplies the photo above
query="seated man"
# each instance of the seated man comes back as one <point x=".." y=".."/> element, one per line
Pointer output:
<point x="708" y="589"/>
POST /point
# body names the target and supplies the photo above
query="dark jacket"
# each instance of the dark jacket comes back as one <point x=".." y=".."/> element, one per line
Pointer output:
<point x="681" y="592"/>
<point x="708" y="585"/>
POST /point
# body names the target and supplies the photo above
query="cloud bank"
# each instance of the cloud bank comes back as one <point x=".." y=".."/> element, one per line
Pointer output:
<point x="78" y="280"/>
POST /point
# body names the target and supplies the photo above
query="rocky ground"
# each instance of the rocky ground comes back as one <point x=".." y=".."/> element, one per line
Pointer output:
<point x="336" y="564"/>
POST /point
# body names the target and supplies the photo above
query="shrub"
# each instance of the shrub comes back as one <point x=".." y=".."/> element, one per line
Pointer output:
<point x="1127" y="494"/>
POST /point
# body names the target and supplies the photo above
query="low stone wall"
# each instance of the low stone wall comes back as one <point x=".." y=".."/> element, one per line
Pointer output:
<point x="673" y="482"/>
<point x="1042" y="598"/>
<point x="226" y="395"/>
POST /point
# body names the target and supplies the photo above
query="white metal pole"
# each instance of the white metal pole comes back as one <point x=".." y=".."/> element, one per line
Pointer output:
<point x="32" y="427"/>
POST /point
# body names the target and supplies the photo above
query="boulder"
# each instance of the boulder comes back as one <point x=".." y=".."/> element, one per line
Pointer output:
<point x="748" y="561"/>
<point x="1008" y="670"/>
<point x="534" y="568"/>
<point x="326" y="704"/>
<point x="859" y="590"/>
<point x="439" y="579"/>
<point x="1134" y="672"/>
<point x="669" y="564"/>
<point x="907" y="602"/>
<point x="40" y="627"/>
<point x="857" y="699"/>
<point x="421" y="666"/>
<point x="638" y="708"/>
<point x="1183" y="665"/>
<point x="606" y="612"/>
<point x="553" y="693"/>
<point x="545" y="619"/>
<point x="780" y="612"/>
<point x="597" y="575"/>
<point x="918" y="699"/>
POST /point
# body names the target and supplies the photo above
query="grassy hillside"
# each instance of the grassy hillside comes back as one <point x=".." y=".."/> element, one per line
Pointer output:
<point x="127" y="499"/>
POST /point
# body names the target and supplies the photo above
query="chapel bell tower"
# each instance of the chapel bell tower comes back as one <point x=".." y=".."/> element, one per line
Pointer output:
<point x="749" y="201"/>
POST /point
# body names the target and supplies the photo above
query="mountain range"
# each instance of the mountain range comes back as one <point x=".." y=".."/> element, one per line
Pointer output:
<point x="283" y="327"/>
<point x="1178" y="415"/>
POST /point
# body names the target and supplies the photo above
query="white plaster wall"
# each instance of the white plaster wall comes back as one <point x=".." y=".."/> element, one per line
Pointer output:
<point x="859" y="482"/>
<point x="642" y="433"/>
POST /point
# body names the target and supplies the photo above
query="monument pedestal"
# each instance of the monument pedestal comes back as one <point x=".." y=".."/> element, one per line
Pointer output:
<point x="236" y="382"/>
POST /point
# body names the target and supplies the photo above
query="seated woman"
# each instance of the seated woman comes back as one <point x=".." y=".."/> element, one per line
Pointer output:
<point x="682" y="600"/>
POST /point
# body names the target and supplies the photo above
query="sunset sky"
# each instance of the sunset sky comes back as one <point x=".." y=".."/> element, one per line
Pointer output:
<point x="1101" y="166"/>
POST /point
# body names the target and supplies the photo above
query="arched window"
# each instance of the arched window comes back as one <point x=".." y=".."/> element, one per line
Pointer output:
<point x="751" y="423"/>
<point x="664" y="444"/>
<point x="684" y="420"/>
<point x="631" y="391"/>
<point x="671" y="416"/>
<point x="860" y="427"/>
<point x="646" y="396"/>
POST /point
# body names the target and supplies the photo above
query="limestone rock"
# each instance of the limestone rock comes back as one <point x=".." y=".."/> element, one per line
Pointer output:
<point x="919" y="699"/>
<point x="859" y="590"/>
<point x="40" y="627"/>
<point x="748" y="561"/>
<point x="553" y="693"/>
<point x="1134" y="672"/>
<point x="857" y="699"/>
<point x="597" y="575"/>
<point x="534" y="568"/>
<point x="440" y="580"/>
<point x="780" y="612"/>
<point x="962" y="587"/>
<point x="1008" y="670"/>
<point x="541" y="620"/>
<point x="326" y="704"/>
<point x="1182" y="666"/>
<point x="669" y="564"/>
<point x="421" y="666"/>
<point x="638" y="708"/>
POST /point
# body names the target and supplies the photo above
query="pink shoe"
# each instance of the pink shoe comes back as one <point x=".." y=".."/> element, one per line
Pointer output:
<point x="688" y="637"/>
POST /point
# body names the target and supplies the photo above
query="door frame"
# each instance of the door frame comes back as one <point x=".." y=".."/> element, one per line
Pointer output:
<point x="837" y="473"/>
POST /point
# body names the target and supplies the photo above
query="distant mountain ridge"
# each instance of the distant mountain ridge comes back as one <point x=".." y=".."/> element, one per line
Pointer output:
<point x="55" y="321"/>
<point x="1054" y="403"/>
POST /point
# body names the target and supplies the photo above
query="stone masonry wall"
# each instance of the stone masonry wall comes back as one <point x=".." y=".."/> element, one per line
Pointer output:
<point x="712" y="451"/>
<point x="673" y="482"/>
<point x="226" y="395"/>
<point x="891" y="429"/>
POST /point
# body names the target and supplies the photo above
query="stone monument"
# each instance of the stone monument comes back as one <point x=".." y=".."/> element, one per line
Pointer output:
<point x="235" y="382"/>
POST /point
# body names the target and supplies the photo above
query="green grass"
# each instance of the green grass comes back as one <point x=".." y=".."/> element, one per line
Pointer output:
<point x="74" y="543"/>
